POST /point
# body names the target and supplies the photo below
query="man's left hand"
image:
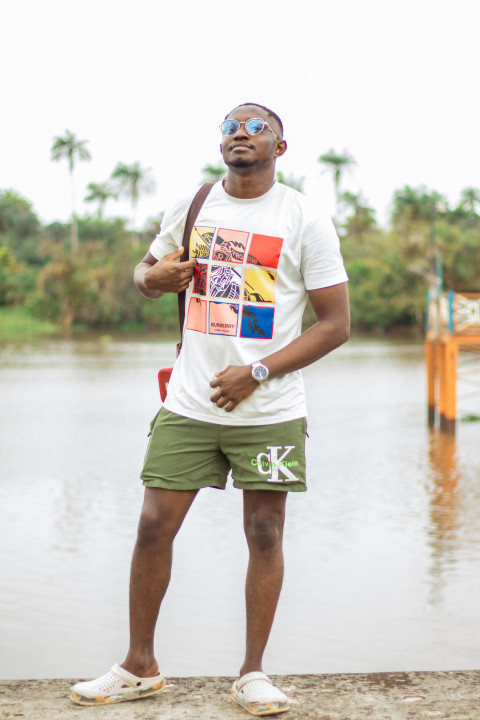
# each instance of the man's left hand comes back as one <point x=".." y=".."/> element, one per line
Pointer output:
<point x="233" y="385"/>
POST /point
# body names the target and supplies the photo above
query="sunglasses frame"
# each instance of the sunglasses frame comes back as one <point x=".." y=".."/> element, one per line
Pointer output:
<point x="265" y="124"/>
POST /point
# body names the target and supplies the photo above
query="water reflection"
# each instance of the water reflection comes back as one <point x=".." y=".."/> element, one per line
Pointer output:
<point x="443" y="530"/>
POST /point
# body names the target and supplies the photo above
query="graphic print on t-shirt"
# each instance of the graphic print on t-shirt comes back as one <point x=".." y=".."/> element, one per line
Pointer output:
<point x="257" y="322"/>
<point x="200" y="279"/>
<point x="230" y="245"/>
<point x="236" y="276"/>
<point x="197" y="315"/>
<point x="223" y="318"/>
<point x="265" y="250"/>
<point x="259" y="286"/>
<point x="225" y="282"/>
<point x="200" y="241"/>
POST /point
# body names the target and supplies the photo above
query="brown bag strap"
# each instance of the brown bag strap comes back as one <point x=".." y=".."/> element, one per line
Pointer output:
<point x="192" y="215"/>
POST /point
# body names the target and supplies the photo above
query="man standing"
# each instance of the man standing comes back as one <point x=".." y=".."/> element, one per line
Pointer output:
<point x="235" y="399"/>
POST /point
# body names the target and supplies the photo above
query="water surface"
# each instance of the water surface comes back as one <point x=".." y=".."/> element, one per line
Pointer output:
<point x="382" y="552"/>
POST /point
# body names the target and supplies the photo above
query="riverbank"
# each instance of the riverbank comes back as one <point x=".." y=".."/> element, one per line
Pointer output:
<point x="372" y="696"/>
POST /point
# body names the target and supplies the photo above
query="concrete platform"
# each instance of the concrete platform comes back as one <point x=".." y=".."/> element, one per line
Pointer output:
<point x="379" y="696"/>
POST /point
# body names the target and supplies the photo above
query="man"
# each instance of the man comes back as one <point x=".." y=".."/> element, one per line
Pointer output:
<point x="235" y="399"/>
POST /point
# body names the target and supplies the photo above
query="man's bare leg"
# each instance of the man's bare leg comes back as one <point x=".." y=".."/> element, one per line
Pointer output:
<point x="162" y="515"/>
<point x="264" y="517"/>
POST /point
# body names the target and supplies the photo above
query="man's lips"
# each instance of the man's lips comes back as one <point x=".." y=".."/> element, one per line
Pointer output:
<point x="241" y="145"/>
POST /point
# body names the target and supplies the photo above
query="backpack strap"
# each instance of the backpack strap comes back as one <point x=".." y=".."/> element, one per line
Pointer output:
<point x="192" y="215"/>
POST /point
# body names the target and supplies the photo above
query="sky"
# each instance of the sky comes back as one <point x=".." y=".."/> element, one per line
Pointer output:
<point x="392" y="82"/>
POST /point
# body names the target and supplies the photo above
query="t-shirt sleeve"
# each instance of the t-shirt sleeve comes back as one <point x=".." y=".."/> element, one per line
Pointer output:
<point x="170" y="236"/>
<point x="322" y="262"/>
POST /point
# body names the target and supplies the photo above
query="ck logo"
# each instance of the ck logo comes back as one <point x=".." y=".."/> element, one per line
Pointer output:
<point x="269" y="463"/>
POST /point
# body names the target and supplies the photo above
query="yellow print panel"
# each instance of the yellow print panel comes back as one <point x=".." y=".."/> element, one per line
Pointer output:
<point x="201" y="241"/>
<point x="260" y="286"/>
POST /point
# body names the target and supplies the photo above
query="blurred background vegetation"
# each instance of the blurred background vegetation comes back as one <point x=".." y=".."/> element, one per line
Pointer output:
<point x="78" y="275"/>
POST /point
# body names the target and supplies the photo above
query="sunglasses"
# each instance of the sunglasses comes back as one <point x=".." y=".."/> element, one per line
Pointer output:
<point x="254" y="126"/>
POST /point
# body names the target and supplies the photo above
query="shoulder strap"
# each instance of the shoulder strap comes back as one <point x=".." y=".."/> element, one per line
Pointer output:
<point x="192" y="215"/>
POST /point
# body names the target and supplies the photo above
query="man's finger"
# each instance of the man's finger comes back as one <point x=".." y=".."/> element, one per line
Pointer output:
<point x="187" y="264"/>
<point x="174" y="255"/>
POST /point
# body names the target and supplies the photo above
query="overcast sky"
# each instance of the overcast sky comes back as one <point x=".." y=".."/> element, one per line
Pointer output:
<point x="393" y="82"/>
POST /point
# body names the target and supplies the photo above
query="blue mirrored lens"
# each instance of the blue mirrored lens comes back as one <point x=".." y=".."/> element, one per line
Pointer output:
<point x="254" y="126"/>
<point x="229" y="127"/>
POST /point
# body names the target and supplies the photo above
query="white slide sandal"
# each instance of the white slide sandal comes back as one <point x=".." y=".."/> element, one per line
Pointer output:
<point x="255" y="692"/>
<point x="116" y="686"/>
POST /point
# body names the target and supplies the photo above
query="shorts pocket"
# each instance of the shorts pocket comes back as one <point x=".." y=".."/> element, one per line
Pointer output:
<point x="153" y="421"/>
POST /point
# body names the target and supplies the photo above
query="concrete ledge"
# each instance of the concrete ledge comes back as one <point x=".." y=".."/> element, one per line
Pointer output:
<point x="378" y="696"/>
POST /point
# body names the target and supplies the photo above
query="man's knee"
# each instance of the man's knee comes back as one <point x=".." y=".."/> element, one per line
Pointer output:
<point x="152" y="527"/>
<point x="162" y="515"/>
<point x="264" y="529"/>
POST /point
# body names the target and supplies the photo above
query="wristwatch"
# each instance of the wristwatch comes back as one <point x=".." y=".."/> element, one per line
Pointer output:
<point x="260" y="372"/>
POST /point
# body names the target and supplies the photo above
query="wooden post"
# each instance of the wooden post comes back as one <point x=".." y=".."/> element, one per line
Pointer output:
<point x="448" y="386"/>
<point x="431" y="380"/>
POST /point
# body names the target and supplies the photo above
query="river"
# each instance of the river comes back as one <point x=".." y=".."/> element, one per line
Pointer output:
<point x="382" y="552"/>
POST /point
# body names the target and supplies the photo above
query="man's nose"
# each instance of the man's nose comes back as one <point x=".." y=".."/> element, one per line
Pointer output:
<point x="241" y="132"/>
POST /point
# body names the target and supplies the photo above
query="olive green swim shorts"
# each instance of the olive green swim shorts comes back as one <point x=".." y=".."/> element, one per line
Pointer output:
<point x="185" y="454"/>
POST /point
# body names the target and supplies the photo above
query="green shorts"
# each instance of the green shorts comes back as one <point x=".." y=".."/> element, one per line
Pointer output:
<point x="185" y="454"/>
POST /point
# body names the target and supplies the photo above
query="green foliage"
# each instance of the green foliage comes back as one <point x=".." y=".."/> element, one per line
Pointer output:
<point x="132" y="180"/>
<point x="383" y="292"/>
<point x="212" y="173"/>
<point x="18" y="322"/>
<point x="70" y="148"/>
<point x="16" y="216"/>
<point x="100" y="193"/>
<point x="291" y="181"/>
<point x="47" y="286"/>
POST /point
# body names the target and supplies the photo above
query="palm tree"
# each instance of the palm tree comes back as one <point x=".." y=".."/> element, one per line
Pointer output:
<point x="132" y="181"/>
<point x="337" y="163"/>
<point x="363" y="218"/>
<point x="70" y="148"/>
<point x="414" y="208"/>
<point x="100" y="192"/>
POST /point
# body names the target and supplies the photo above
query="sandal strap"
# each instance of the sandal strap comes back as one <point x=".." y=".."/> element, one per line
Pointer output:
<point x="127" y="677"/>
<point x="256" y="675"/>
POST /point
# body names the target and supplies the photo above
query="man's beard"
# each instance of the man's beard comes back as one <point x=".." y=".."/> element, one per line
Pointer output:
<point x="240" y="163"/>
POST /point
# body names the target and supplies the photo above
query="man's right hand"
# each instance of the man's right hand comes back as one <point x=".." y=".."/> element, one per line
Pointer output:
<point x="165" y="275"/>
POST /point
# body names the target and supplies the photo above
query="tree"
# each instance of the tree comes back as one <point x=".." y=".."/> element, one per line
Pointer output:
<point x="470" y="200"/>
<point x="100" y="192"/>
<point x="70" y="148"/>
<point x="291" y="181"/>
<point x="337" y="163"/>
<point x="133" y="180"/>
<point x="363" y="218"/>
<point x="212" y="173"/>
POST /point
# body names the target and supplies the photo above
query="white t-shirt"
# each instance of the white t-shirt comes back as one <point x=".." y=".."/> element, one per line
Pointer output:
<point x="256" y="259"/>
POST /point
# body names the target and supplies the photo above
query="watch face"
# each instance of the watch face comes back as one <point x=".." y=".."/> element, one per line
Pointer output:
<point x="260" y="373"/>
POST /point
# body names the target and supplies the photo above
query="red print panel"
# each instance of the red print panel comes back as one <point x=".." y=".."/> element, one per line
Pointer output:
<point x="265" y="250"/>
<point x="200" y="279"/>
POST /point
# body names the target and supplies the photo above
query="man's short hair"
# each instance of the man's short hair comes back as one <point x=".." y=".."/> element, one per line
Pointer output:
<point x="254" y="104"/>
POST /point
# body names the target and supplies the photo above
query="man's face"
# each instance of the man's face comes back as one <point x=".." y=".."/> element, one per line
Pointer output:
<point x="242" y="150"/>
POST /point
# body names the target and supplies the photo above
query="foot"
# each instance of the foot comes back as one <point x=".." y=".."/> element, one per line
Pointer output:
<point x="116" y="686"/>
<point x="255" y="692"/>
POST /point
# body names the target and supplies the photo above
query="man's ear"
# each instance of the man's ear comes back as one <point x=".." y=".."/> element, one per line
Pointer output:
<point x="281" y="148"/>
